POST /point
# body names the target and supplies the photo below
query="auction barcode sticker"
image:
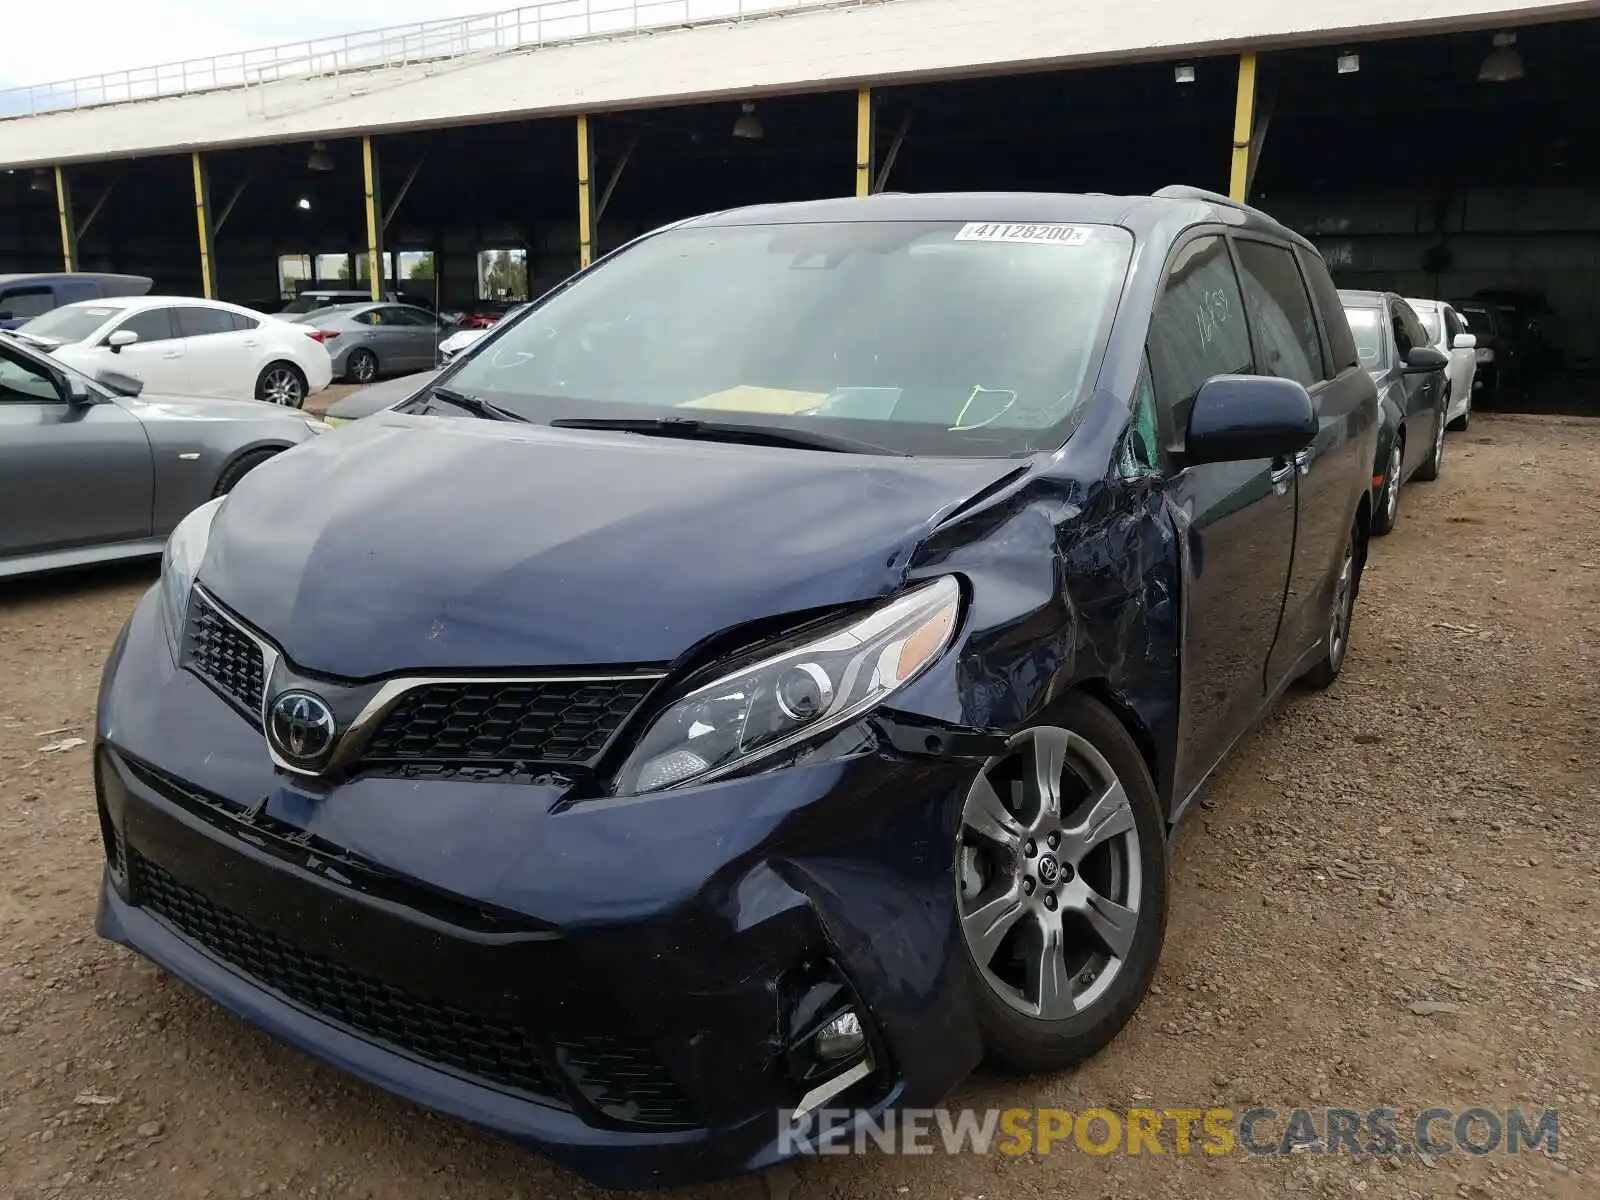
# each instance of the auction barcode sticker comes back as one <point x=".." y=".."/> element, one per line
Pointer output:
<point x="1049" y="234"/>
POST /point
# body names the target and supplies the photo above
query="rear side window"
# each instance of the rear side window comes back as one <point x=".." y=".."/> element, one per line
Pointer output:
<point x="1341" y="343"/>
<point x="1280" y="309"/>
<point x="242" y="323"/>
<point x="1198" y="328"/>
<point x="199" y="322"/>
<point x="1408" y="331"/>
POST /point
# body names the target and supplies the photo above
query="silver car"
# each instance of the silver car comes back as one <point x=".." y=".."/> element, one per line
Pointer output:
<point x="368" y="340"/>
<point x="97" y="470"/>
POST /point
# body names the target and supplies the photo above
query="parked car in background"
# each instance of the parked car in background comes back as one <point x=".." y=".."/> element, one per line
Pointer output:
<point x="23" y="297"/>
<point x="188" y="347"/>
<point x="98" y="470"/>
<point x="1497" y="353"/>
<point x="463" y="338"/>
<point x="1410" y="373"/>
<point x="319" y="298"/>
<point x="368" y="340"/>
<point x="376" y="397"/>
<point x="767" y="706"/>
<point x="484" y="313"/>
<point x="1529" y="318"/>
<point x="1449" y="335"/>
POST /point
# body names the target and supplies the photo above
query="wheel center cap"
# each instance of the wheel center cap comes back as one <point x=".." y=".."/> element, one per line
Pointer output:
<point x="1049" y="870"/>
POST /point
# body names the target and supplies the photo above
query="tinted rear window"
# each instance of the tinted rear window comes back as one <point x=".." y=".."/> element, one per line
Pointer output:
<point x="1341" y="342"/>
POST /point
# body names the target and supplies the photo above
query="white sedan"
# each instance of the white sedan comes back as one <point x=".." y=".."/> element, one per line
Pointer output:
<point x="185" y="346"/>
<point x="1448" y="332"/>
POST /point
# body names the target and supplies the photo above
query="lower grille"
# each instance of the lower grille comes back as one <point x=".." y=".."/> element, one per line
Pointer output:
<point x="623" y="1081"/>
<point x="223" y="656"/>
<point x="496" y="1052"/>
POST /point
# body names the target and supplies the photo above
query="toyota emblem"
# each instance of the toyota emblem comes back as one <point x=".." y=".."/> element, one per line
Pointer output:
<point x="301" y="728"/>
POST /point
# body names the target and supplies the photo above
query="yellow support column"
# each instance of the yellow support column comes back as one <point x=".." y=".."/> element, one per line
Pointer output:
<point x="864" y="142"/>
<point x="202" y="218"/>
<point x="1244" y="115"/>
<point x="369" y="172"/>
<point x="585" y="195"/>
<point x="69" y="238"/>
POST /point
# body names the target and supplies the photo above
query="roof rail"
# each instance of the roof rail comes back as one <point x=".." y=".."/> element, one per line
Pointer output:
<point x="1182" y="191"/>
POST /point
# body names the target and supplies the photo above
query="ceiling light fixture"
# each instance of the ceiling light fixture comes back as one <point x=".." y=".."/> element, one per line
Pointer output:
<point x="1349" y="63"/>
<point x="748" y="125"/>
<point x="320" y="159"/>
<point x="40" y="181"/>
<point x="1183" y="73"/>
<point x="1502" y="64"/>
<point x="304" y="204"/>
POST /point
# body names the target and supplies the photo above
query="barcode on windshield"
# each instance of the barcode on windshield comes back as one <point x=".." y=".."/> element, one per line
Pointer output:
<point x="1049" y="234"/>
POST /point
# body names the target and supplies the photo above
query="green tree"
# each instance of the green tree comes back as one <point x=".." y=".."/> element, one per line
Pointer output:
<point x="422" y="268"/>
<point x="506" y="276"/>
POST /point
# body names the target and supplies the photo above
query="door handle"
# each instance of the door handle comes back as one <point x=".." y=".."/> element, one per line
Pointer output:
<point x="172" y="354"/>
<point x="250" y="342"/>
<point x="1281" y="478"/>
<point x="1302" y="462"/>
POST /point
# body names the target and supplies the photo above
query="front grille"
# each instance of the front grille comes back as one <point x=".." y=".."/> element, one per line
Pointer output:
<point x="473" y="723"/>
<point x="623" y="1081"/>
<point x="216" y="650"/>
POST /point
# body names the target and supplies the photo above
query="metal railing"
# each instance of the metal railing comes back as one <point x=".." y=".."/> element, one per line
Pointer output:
<point x="398" y="45"/>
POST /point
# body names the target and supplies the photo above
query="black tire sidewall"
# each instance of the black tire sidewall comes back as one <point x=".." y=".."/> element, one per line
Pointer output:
<point x="1018" y="1043"/>
<point x="261" y="383"/>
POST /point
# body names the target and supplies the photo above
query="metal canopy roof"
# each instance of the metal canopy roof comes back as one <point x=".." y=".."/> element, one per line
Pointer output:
<point x="492" y="68"/>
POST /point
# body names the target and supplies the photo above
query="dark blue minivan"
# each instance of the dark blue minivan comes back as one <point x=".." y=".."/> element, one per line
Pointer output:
<point x="756" y="684"/>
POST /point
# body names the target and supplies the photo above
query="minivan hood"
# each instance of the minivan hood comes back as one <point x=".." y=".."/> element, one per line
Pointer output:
<point x="402" y="543"/>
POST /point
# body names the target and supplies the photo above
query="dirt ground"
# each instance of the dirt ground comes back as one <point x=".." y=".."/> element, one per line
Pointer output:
<point x="1426" y="831"/>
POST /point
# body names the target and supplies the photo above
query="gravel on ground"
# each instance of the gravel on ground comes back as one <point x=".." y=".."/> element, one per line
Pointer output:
<point x="1387" y="897"/>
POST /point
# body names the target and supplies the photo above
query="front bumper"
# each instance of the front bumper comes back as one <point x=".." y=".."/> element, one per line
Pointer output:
<point x="611" y="984"/>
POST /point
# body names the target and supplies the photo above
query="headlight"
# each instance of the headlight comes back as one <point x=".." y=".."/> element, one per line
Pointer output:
<point x="317" y="426"/>
<point x="796" y="694"/>
<point x="180" y="562"/>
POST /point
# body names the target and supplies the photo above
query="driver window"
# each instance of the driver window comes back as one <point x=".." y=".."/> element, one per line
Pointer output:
<point x="1402" y="338"/>
<point x="152" y="325"/>
<point x="23" y="383"/>
<point x="1198" y="329"/>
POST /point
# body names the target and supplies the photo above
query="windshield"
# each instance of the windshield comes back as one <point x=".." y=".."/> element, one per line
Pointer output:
<point x="1430" y="322"/>
<point x="920" y="337"/>
<point x="1370" y="330"/>
<point x="70" y="324"/>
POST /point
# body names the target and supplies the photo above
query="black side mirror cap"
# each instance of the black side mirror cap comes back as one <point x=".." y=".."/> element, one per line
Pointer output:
<point x="1422" y="359"/>
<point x="1236" y="418"/>
<point x="119" y="383"/>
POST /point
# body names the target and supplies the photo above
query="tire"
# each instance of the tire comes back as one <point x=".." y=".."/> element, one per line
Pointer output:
<point x="1341" y="615"/>
<point x="1386" y="512"/>
<point x="361" y="366"/>
<point x="238" y="469"/>
<point x="1429" y="471"/>
<point x="283" y="384"/>
<point x="1099" y="972"/>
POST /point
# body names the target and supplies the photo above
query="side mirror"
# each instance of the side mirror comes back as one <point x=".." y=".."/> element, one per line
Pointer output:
<point x="118" y="383"/>
<point x="121" y="338"/>
<point x="1464" y="341"/>
<point x="1241" y="417"/>
<point x="1420" y="360"/>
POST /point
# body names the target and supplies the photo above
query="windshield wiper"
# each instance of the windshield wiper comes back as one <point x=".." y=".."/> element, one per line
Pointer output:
<point x="728" y="431"/>
<point x="475" y="405"/>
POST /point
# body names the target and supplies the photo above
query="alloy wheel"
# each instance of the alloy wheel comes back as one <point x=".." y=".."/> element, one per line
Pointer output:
<point x="282" y="386"/>
<point x="1391" y="484"/>
<point x="1343" y="602"/>
<point x="365" y="368"/>
<point x="1049" y="874"/>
